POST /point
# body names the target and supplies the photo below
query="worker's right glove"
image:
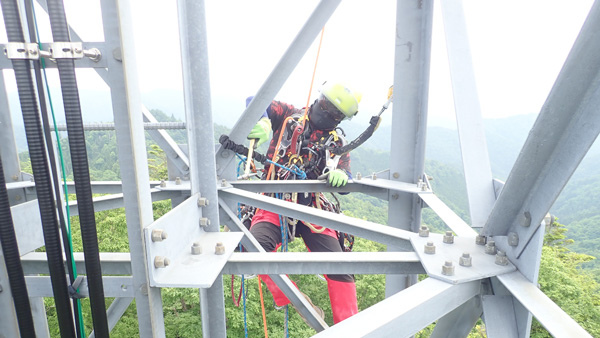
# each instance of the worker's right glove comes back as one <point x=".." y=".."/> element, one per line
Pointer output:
<point x="261" y="131"/>
<point x="337" y="178"/>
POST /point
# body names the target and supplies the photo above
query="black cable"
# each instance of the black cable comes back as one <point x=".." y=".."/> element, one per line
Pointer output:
<point x="40" y="168"/>
<point x="12" y="258"/>
<point x="81" y="174"/>
<point x="50" y="148"/>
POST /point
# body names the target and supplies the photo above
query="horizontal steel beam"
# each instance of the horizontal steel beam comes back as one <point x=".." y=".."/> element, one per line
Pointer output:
<point x="115" y="201"/>
<point x="361" y="228"/>
<point x="324" y="263"/>
<point x="407" y="312"/>
<point x="104" y="187"/>
<point x="121" y="286"/>
<point x="111" y="263"/>
<point x="551" y="316"/>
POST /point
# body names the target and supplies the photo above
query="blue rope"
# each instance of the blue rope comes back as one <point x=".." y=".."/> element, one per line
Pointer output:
<point x="293" y="169"/>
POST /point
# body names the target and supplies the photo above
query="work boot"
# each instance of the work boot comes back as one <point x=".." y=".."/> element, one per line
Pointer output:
<point x="319" y="311"/>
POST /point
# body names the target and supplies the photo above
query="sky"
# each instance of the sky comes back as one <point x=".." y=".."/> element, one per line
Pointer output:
<point x="518" y="48"/>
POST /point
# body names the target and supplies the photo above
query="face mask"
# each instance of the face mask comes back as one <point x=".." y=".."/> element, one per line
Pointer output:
<point x="323" y="115"/>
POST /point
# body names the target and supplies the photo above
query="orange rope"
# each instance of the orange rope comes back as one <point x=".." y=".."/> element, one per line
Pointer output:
<point x="262" y="306"/>
<point x="314" y="70"/>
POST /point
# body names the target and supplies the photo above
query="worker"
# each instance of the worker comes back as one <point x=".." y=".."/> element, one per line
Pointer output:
<point x="303" y="144"/>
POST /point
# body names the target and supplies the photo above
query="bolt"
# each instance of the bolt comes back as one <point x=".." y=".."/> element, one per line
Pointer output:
<point x="196" y="248"/>
<point x="449" y="237"/>
<point x="18" y="197"/>
<point x="223" y="182"/>
<point x="424" y="187"/>
<point x="178" y="180"/>
<point x="513" y="239"/>
<point x="480" y="240"/>
<point x="396" y="175"/>
<point x="420" y="183"/>
<point x="78" y="51"/>
<point x="395" y="196"/>
<point x="163" y="184"/>
<point x="465" y="259"/>
<point x="501" y="258"/>
<point x="525" y="219"/>
<point x="204" y="222"/>
<point x="490" y="248"/>
<point x="374" y="176"/>
<point x="424" y="231"/>
<point x="287" y="196"/>
<point x="448" y="268"/>
<point x="429" y="248"/>
<point x="358" y="176"/>
<point x="219" y="248"/>
<point x="158" y="235"/>
<point x="144" y="289"/>
<point x="15" y="178"/>
<point x="202" y="202"/>
<point x="161" y="262"/>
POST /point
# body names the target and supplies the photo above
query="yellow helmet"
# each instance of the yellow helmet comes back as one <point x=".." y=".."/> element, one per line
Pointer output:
<point x="342" y="97"/>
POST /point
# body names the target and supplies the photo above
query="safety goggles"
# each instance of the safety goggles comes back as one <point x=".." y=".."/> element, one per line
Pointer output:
<point x="326" y="109"/>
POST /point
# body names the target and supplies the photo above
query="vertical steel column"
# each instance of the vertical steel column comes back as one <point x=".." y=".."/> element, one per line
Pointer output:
<point x="133" y="162"/>
<point x="475" y="157"/>
<point x="203" y="174"/>
<point x="409" y="118"/>
<point x="8" y="152"/>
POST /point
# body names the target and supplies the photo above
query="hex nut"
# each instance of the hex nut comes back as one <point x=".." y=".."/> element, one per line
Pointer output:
<point x="219" y="248"/>
<point x="429" y="248"/>
<point x="490" y="248"/>
<point x="449" y="237"/>
<point x="513" y="239"/>
<point x="202" y="202"/>
<point x="424" y="231"/>
<point x="161" y="262"/>
<point x="480" y="240"/>
<point x="501" y="258"/>
<point x="158" y="235"/>
<point x="448" y="268"/>
<point x="465" y="260"/>
<point x="196" y="248"/>
<point x="204" y="222"/>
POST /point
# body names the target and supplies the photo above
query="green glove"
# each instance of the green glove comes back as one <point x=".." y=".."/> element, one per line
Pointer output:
<point x="261" y="131"/>
<point x="337" y="178"/>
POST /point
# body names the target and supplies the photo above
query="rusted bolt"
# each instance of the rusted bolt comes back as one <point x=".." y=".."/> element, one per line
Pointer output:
<point x="423" y="231"/>
<point x="480" y="240"/>
<point x="161" y="262"/>
<point x="449" y="237"/>
<point x="202" y="202"/>
<point x="513" y="239"/>
<point x="429" y="248"/>
<point x="465" y="259"/>
<point x="219" y="248"/>
<point x="490" y="248"/>
<point x="448" y="268"/>
<point x="196" y="248"/>
<point x="204" y="222"/>
<point x="158" y="235"/>
<point x="501" y="258"/>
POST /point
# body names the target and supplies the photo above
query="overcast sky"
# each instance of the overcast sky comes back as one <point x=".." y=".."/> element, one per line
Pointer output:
<point x="517" y="46"/>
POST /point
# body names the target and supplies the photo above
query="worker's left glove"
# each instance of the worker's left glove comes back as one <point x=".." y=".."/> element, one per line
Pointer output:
<point x="337" y="178"/>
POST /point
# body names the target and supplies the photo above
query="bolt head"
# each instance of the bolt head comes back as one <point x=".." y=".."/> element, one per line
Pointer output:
<point x="448" y="268"/>
<point x="396" y="175"/>
<point x="465" y="260"/>
<point x="449" y="237"/>
<point x="161" y="262"/>
<point x="204" y="222"/>
<point x="358" y="176"/>
<point x="424" y="231"/>
<point x="202" y="202"/>
<point x="501" y="258"/>
<point x="513" y="239"/>
<point x="480" y="240"/>
<point x="374" y="176"/>
<point x="219" y="248"/>
<point x="196" y="248"/>
<point x="158" y="235"/>
<point x="490" y="248"/>
<point x="525" y="219"/>
<point x="429" y="248"/>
